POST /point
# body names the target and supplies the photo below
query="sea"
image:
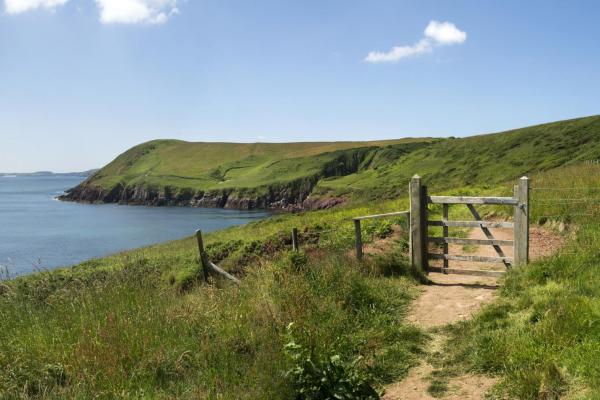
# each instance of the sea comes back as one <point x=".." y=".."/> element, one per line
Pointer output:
<point x="39" y="232"/>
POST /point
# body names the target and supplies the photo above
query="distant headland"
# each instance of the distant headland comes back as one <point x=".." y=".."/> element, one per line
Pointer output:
<point x="84" y="174"/>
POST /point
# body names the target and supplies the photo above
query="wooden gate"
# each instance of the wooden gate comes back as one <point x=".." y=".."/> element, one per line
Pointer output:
<point x="419" y="238"/>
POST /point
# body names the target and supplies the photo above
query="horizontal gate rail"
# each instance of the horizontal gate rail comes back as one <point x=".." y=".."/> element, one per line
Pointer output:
<point x="470" y="258"/>
<point x="388" y="215"/>
<point x="472" y="272"/>
<point x="481" y="242"/>
<point x="472" y="224"/>
<point x="508" y="201"/>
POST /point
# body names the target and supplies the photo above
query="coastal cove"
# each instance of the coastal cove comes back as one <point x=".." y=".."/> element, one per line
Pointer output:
<point x="38" y="232"/>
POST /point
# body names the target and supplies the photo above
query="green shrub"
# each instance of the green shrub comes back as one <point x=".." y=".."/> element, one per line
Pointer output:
<point x="324" y="378"/>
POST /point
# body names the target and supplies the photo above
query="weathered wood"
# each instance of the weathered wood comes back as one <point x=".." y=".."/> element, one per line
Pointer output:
<point x="445" y="232"/>
<point x="488" y="234"/>
<point x="472" y="200"/>
<point x="471" y="224"/>
<point x="358" y="239"/>
<point x="466" y="272"/>
<point x="479" y="242"/>
<point x="424" y="217"/>
<point x="202" y="254"/>
<point x="219" y="271"/>
<point x="295" y="239"/>
<point x="470" y="258"/>
<point x="521" y="246"/>
<point x="393" y="214"/>
<point x="418" y="254"/>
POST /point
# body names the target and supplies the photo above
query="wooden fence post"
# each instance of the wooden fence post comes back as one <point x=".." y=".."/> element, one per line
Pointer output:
<point x="358" y="240"/>
<point x="445" y="233"/>
<point x="203" y="257"/>
<point x="295" y="239"/>
<point x="418" y="225"/>
<point x="521" y="245"/>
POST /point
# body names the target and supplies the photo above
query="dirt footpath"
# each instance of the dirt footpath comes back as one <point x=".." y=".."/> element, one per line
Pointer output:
<point x="451" y="298"/>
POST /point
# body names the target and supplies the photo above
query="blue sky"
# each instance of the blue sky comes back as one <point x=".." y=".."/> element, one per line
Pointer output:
<point x="83" y="80"/>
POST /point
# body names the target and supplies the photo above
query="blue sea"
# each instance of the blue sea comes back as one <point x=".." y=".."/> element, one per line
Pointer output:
<point x="38" y="232"/>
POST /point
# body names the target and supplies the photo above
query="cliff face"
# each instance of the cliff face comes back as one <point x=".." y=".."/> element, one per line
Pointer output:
<point x="291" y="195"/>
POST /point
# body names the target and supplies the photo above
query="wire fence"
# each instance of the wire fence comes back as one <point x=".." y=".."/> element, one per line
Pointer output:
<point x="574" y="211"/>
<point x="343" y="236"/>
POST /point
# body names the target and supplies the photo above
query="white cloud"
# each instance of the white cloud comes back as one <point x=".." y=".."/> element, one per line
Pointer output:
<point x="136" y="11"/>
<point x="436" y="34"/>
<point x="445" y="33"/>
<point x="20" y="6"/>
<point x="399" y="52"/>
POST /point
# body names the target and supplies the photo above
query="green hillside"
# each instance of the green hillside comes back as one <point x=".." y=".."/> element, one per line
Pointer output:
<point x="490" y="159"/>
<point x="221" y="165"/>
<point x="285" y="175"/>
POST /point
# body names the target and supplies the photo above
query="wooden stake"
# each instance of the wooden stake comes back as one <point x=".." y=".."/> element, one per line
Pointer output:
<point x="295" y="239"/>
<point x="358" y="239"/>
<point x="202" y="253"/>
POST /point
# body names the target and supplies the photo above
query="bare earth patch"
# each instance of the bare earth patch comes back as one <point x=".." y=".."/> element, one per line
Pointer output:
<point x="451" y="298"/>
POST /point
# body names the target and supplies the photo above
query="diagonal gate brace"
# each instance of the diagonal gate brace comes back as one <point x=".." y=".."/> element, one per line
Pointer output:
<point x="488" y="234"/>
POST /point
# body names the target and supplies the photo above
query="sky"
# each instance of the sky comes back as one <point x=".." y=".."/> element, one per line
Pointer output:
<point x="81" y="81"/>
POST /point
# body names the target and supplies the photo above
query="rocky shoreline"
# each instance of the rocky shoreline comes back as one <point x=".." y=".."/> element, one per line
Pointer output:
<point x="294" y="196"/>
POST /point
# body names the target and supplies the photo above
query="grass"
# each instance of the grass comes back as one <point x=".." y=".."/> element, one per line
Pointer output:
<point x="491" y="159"/>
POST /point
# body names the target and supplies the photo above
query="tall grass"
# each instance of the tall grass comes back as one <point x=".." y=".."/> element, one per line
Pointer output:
<point x="133" y="335"/>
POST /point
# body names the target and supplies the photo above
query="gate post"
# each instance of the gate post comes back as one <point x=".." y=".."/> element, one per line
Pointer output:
<point x="521" y="221"/>
<point x="418" y="225"/>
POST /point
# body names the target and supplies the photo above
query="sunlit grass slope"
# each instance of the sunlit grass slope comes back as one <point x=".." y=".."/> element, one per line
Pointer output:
<point x="205" y="166"/>
<point x="484" y="159"/>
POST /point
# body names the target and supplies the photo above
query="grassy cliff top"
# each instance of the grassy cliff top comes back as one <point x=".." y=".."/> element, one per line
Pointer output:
<point x="211" y="165"/>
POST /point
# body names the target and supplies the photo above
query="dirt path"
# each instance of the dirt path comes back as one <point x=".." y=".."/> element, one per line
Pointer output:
<point x="451" y="298"/>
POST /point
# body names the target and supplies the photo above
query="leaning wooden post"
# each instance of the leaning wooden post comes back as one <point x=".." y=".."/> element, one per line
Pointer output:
<point x="418" y="225"/>
<point x="202" y="253"/>
<point x="521" y="221"/>
<point x="295" y="239"/>
<point x="358" y="240"/>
